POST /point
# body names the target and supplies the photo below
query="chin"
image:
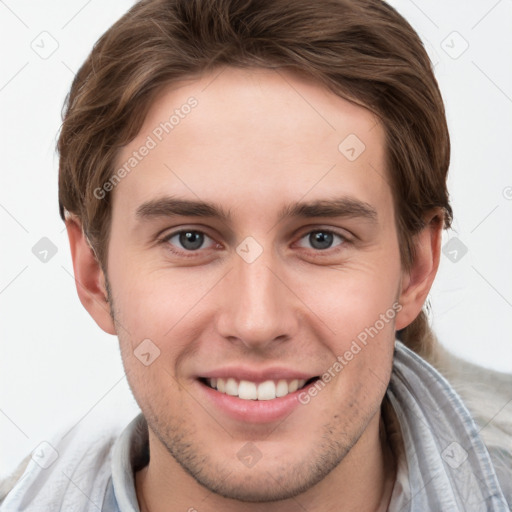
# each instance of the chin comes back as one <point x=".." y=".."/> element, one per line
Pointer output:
<point x="259" y="486"/>
<point x="278" y="479"/>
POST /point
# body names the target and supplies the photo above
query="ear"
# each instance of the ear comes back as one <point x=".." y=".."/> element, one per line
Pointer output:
<point x="416" y="282"/>
<point x="89" y="277"/>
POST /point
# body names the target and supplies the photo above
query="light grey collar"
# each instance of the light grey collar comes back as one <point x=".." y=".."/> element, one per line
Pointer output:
<point x="444" y="466"/>
<point x="447" y="466"/>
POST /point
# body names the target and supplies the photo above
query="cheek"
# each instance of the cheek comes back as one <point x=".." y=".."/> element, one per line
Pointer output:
<point x="152" y="303"/>
<point x="355" y="299"/>
<point x="360" y="309"/>
<point x="159" y="325"/>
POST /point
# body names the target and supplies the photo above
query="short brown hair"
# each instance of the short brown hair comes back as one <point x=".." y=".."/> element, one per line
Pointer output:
<point x="362" y="50"/>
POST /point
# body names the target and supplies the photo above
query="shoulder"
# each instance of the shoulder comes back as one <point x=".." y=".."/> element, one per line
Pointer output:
<point x="487" y="395"/>
<point x="10" y="481"/>
<point x="62" y="469"/>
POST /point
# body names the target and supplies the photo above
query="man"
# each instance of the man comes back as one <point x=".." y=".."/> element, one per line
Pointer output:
<point x="254" y="194"/>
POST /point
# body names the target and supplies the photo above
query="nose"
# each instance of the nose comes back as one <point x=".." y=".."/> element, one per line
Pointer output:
<point x="258" y="306"/>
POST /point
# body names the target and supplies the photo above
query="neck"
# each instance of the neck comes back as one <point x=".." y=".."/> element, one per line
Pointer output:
<point x="362" y="482"/>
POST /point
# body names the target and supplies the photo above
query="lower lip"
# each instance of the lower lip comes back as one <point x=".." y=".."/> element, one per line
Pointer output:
<point x="253" y="411"/>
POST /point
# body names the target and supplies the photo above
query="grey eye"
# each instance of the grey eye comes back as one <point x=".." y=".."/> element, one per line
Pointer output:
<point x="188" y="239"/>
<point x="322" y="239"/>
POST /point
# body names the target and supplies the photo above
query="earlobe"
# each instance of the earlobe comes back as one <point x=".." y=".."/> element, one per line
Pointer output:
<point x="89" y="277"/>
<point x="416" y="282"/>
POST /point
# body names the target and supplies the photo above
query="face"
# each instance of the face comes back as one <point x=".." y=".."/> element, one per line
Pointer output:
<point x="256" y="326"/>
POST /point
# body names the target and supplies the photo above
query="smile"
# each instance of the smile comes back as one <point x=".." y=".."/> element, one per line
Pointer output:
<point x="247" y="390"/>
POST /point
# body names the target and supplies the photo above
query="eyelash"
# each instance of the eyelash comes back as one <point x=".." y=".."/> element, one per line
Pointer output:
<point x="195" y="253"/>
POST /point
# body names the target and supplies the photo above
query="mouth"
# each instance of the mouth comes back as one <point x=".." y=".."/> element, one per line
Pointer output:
<point x="261" y="391"/>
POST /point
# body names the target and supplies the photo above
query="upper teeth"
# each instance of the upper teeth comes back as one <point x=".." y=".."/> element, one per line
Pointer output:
<point x="251" y="391"/>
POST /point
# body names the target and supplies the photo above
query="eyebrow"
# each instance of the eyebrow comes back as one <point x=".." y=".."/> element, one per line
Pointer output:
<point x="337" y="207"/>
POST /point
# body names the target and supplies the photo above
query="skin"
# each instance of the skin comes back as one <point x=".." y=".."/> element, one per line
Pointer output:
<point x="257" y="141"/>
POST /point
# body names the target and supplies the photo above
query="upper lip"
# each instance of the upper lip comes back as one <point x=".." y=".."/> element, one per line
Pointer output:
<point x="252" y="375"/>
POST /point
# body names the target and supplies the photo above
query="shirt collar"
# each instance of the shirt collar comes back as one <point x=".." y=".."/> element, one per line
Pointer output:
<point x="441" y="461"/>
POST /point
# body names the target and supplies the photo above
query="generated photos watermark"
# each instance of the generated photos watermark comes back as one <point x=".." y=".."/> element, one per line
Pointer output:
<point x="356" y="347"/>
<point x="151" y="142"/>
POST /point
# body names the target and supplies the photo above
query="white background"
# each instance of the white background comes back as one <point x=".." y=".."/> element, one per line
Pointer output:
<point x="57" y="366"/>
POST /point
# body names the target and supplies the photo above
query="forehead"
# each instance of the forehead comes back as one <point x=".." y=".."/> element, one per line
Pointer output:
<point x="257" y="132"/>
